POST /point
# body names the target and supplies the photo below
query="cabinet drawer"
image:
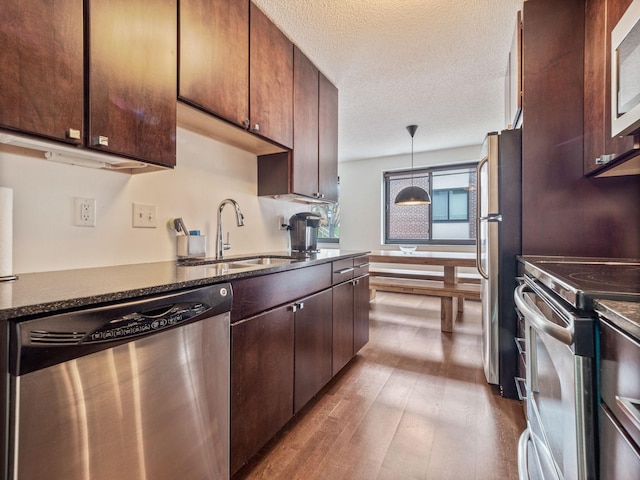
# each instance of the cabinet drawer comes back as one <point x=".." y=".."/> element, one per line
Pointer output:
<point x="342" y="270"/>
<point x="257" y="294"/>
<point x="620" y="382"/>
<point x="619" y="457"/>
<point x="360" y="266"/>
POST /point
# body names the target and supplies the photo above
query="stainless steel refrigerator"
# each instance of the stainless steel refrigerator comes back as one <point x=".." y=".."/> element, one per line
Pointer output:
<point x="498" y="232"/>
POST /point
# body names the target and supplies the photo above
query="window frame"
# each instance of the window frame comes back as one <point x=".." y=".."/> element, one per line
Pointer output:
<point x="421" y="172"/>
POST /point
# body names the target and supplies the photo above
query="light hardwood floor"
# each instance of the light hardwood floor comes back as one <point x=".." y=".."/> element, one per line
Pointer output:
<point x="414" y="404"/>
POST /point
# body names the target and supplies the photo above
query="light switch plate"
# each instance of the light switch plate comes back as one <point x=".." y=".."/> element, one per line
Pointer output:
<point x="144" y="216"/>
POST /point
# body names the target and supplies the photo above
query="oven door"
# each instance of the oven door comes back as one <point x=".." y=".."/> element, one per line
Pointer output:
<point x="561" y="389"/>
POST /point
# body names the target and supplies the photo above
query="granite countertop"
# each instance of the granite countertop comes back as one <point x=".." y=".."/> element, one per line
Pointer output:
<point x="47" y="292"/>
<point x="626" y="315"/>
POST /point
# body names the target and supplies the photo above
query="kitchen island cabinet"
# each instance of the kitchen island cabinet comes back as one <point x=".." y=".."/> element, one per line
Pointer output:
<point x="132" y="68"/>
<point x="603" y="155"/>
<point x="41" y="68"/>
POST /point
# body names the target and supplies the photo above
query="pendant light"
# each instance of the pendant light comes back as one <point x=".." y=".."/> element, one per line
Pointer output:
<point x="412" y="195"/>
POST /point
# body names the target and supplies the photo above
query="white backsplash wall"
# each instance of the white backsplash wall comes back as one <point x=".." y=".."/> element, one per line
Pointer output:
<point x="207" y="172"/>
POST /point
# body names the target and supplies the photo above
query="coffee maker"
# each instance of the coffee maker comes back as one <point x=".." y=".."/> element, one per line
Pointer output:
<point x="303" y="228"/>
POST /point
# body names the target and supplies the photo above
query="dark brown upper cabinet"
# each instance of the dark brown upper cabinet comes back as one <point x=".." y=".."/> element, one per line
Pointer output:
<point x="305" y="119"/>
<point x="237" y="65"/>
<point x="214" y="57"/>
<point x="310" y="171"/>
<point x="328" y="140"/>
<point x="603" y="155"/>
<point x="41" y="68"/>
<point x="132" y="79"/>
<point x="270" y="80"/>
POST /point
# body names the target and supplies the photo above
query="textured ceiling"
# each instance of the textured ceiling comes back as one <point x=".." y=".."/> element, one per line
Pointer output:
<point x="439" y="64"/>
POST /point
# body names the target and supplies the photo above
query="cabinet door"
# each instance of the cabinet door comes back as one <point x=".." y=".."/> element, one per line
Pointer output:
<point x="601" y="17"/>
<point x="342" y="325"/>
<point x="41" y="68"/>
<point x="328" y="139"/>
<point x="360" y="313"/>
<point x="305" y="121"/>
<point x="313" y="343"/>
<point x="270" y="80"/>
<point x="132" y="78"/>
<point x="214" y="57"/>
<point x="261" y="381"/>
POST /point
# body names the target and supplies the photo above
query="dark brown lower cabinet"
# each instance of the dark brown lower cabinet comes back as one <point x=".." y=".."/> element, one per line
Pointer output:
<point x="360" y="313"/>
<point x="342" y="325"/>
<point x="350" y="320"/>
<point x="313" y="343"/>
<point x="261" y="381"/>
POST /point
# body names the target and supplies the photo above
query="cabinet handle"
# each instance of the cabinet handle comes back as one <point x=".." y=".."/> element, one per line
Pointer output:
<point x="604" y="159"/>
<point x="256" y="127"/>
<point x="318" y="195"/>
<point x="629" y="406"/>
<point x="521" y="388"/>
<point x="301" y="306"/>
<point x="344" y="270"/>
<point x="73" y="133"/>
<point x="246" y="123"/>
<point x="293" y="308"/>
<point x="100" y="141"/>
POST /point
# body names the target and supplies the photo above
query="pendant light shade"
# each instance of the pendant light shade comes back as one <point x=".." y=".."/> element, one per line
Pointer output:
<point x="412" y="195"/>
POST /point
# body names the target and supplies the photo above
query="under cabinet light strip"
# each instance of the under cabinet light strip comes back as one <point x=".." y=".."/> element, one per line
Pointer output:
<point x="71" y="155"/>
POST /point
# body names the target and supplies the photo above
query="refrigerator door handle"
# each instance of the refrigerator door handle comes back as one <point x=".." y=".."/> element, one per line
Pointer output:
<point x="479" y="266"/>
<point x="492" y="218"/>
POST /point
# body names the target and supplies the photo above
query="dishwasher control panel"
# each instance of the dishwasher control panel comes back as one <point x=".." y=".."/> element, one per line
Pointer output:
<point x="134" y="324"/>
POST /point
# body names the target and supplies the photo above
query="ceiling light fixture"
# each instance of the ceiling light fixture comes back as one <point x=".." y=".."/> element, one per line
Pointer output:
<point x="412" y="195"/>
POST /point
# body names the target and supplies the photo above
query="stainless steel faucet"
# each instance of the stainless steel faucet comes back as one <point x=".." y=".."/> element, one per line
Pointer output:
<point x="221" y="245"/>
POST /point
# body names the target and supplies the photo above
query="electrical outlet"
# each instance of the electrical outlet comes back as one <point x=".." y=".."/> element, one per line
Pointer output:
<point x="281" y="222"/>
<point x="144" y="216"/>
<point x="84" y="212"/>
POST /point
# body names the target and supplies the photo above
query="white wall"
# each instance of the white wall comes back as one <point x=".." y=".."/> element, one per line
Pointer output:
<point x="361" y="201"/>
<point x="207" y="172"/>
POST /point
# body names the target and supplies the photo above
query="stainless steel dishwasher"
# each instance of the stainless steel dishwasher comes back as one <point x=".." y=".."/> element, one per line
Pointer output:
<point x="133" y="391"/>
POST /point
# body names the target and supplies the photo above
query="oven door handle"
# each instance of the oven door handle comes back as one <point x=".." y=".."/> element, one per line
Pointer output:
<point x="523" y="455"/>
<point x="562" y="334"/>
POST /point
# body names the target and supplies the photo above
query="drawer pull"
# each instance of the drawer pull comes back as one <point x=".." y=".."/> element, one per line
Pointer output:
<point x="363" y="265"/>
<point x="345" y="270"/>
<point x="521" y="388"/>
<point x="630" y="407"/>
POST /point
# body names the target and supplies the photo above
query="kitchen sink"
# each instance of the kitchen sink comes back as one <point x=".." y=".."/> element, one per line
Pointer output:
<point x="265" y="261"/>
<point x="239" y="263"/>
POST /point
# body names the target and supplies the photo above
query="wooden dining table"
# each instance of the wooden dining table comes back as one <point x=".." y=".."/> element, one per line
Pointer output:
<point x="449" y="261"/>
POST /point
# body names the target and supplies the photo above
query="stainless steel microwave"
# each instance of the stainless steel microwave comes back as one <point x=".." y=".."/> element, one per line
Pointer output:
<point x="625" y="73"/>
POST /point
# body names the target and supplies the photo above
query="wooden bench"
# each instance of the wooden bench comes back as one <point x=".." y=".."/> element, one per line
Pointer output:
<point x="421" y="274"/>
<point x="451" y="295"/>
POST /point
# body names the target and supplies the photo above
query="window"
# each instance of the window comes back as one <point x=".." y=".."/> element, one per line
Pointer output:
<point x="449" y="219"/>
<point x="329" y="229"/>
<point x="450" y="205"/>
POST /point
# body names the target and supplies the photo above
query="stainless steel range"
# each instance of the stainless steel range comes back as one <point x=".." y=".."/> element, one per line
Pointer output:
<point x="556" y="299"/>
